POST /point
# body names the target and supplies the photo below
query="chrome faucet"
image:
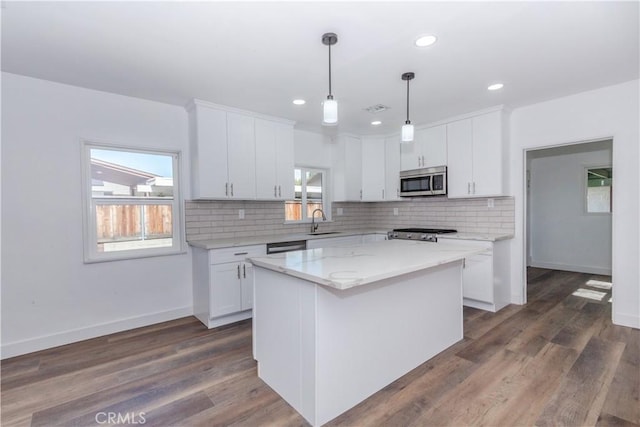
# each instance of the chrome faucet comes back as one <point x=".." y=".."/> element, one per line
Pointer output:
<point x="314" y="226"/>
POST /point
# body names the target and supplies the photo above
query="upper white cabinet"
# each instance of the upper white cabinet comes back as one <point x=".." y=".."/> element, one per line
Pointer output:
<point x="373" y="169"/>
<point x="347" y="169"/>
<point x="428" y="149"/>
<point x="392" y="168"/>
<point x="274" y="160"/>
<point x="239" y="155"/>
<point x="476" y="156"/>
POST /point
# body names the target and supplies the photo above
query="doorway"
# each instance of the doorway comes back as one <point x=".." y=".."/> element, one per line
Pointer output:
<point x="568" y="207"/>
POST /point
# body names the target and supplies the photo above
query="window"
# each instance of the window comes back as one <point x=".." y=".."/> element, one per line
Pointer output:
<point x="598" y="186"/>
<point x="132" y="205"/>
<point x="310" y="187"/>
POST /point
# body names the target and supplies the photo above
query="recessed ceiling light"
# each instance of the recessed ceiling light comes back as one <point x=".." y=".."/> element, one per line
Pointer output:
<point x="299" y="101"/>
<point x="376" y="122"/>
<point x="426" y="40"/>
<point x="495" y="86"/>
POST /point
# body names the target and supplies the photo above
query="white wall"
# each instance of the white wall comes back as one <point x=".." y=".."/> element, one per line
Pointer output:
<point x="311" y="149"/>
<point x="49" y="297"/>
<point x="610" y="112"/>
<point x="563" y="236"/>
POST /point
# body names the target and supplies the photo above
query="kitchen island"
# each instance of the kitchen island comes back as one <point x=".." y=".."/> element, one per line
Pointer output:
<point x="334" y="325"/>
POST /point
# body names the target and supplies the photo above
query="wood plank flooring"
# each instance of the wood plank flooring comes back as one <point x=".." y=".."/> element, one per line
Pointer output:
<point x="556" y="361"/>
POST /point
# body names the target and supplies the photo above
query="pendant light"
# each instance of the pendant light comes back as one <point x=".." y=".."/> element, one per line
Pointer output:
<point x="330" y="106"/>
<point x="407" y="128"/>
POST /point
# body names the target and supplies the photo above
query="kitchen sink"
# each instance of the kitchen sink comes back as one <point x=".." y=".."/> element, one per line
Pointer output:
<point x="323" y="232"/>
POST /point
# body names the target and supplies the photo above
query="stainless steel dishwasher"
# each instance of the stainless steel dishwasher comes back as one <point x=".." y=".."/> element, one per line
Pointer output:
<point x="276" y="248"/>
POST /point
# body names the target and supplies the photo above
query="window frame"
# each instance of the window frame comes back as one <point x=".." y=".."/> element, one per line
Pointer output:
<point x="585" y="183"/>
<point x="89" y="203"/>
<point x="326" y="204"/>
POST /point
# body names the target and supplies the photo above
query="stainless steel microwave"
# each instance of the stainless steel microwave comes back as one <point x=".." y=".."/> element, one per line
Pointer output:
<point x="424" y="182"/>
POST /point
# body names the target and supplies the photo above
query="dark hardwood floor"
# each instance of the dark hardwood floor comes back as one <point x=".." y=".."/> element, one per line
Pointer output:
<point x="556" y="361"/>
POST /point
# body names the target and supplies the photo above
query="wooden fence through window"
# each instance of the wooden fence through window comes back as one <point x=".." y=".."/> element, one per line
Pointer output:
<point x="124" y="222"/>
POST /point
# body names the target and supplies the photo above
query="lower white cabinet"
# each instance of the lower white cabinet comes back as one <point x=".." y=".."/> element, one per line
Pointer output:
<point x="485" y="283"/>
<point x="223" y="284"/>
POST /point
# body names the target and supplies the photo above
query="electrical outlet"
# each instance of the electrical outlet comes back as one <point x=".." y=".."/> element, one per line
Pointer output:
<point x="490" y="203"/>
<point x="340" y="211"/>
<point x="395" y="211"/>
<point x="241" y="213"/>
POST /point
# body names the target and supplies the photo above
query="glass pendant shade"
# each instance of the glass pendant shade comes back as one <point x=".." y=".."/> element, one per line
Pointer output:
<point x="407" y="132"/>
<point x="330" y="116"/>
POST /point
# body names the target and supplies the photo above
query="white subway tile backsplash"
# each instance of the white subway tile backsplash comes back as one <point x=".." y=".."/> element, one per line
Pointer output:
<point x="219" y="219"/>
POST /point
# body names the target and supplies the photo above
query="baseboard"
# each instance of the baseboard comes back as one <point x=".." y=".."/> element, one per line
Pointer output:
<point x="626" y="320"/>
<point x="18" y="348"/>
<point x="567" y="267"/>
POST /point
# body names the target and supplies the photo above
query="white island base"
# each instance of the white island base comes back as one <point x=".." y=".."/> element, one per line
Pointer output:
<point x="324" y="350"/>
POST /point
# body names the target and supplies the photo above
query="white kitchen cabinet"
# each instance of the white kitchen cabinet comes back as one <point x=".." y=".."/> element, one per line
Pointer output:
<point x="392" y="168"/>
<point x="373" y="169"/>
<point x="485" y="277"/>
<point x="223" y="284"/>
<point x="208" y="152"/>
<point x="329" y="242"/>
<point x="274" y="160"/>
<point x="347" y="169"/>
<point x="225" y="162"/>
<point x="476" y="156"/>
<point x="428" y="149"/>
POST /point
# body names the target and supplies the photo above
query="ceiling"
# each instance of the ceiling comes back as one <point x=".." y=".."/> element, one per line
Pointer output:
<point x="260" y="56"/>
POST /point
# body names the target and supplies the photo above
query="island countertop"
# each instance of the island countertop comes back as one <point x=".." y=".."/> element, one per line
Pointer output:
<point x="350" y="266"/>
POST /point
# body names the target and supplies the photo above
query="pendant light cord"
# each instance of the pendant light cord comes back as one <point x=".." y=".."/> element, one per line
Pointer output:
<point x="408" y="102"/>
<point x="330" y="96"/>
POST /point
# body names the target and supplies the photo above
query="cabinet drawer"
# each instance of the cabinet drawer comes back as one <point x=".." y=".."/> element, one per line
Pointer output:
<point x="471" y="243"/>
<point x="237" y="253"/>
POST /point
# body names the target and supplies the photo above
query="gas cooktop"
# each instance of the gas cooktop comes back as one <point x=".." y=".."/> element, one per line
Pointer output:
<point x="425" y="230"/>
<point x="424" y="234"/>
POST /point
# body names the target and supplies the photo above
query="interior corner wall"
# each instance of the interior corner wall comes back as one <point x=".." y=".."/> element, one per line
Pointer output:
<point x="563" y="236"/>
<point x="49" y="296"/>
<point x="610" y="112"/>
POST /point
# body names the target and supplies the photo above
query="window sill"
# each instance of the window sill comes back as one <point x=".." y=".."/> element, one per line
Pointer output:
<point x="131" y="256"/>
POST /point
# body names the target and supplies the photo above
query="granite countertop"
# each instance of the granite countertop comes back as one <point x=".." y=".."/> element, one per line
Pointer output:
<point x="350" y="266"/>
<point x="275" y="238"/>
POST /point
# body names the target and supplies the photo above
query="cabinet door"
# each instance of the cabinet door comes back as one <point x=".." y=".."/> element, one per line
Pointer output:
<point x="225" y="290"/>
<point x="284" y="162"/>
<point x="208" y="152"/>
<point x="247" y="285"/>
<point x="459" y="158"/>
<point x="241" y="156"/>
<point x="487" y="155"/>
<point x="477" y="278"/>
<point x="392" y="168"/>
<point x="373" y="165"/>
<point x="353" y="168"/>
<point x="410" y="156"/>
<point x="266" y="147"/>
<point x="433" y="146"/>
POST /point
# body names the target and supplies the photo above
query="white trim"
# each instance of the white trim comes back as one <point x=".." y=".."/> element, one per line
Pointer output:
<point x="568" y="267"/>
<point x="623" y="319"/>
<point x="18" y="348"/>
<point x="197" y="102"/>
<point x="90" y="254"/>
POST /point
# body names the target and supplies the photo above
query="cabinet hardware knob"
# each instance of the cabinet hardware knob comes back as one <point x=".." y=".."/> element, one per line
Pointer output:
<point x="231" y="189"/>
<point x="241" y="253"/>
<point x="226" y="188"/>
<point x="275" y="191"/>
<point x="244" y="270"/>
<point x="238" y="271"/>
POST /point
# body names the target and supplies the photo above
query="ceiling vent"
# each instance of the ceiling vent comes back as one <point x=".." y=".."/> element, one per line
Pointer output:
<point x="378" y="108"/>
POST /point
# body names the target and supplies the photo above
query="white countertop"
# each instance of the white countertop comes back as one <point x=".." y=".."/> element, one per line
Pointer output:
<point x="487" y="237"/>
<point x="350" y="266"/>
<point x="275" y="238"/>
